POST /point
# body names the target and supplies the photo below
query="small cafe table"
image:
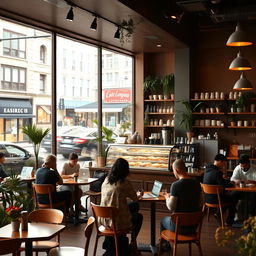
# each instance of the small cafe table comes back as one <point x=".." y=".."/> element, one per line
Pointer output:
<point x="35" y="232"/>
<point x="76" y="184"/>
<point x="153" y="200"/>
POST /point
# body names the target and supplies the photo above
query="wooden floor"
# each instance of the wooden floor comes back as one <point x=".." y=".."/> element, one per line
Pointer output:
<point x="73" y="236"/>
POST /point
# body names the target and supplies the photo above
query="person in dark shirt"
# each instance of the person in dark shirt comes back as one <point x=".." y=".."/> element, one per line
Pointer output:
<point x="2" y="168"/>
<point x="48" y="174"/>
<point x="216" y="174"/>
<point x="185" y="196"/>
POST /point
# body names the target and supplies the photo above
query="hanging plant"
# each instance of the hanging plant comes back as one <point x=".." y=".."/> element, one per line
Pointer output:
<point x="126" y="29"/>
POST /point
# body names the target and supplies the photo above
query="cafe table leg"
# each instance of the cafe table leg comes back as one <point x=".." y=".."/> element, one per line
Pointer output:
<point x="28" y="248"/>
<point x="77" y="219"/>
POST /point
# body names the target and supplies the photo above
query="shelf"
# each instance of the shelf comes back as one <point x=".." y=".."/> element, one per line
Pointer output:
<point x="236" y="158"/>
<point x="238" y="97"/>
<point x="157" y="113"/>
<point x="219" y="127"/>
<point x="207" y="99"/>
<point x="159" y="100"/>
<point x="199" y="113"/>
<point x="152" y="126"/>
<point x="243" y="127"/>
<point x="242" y="113"/>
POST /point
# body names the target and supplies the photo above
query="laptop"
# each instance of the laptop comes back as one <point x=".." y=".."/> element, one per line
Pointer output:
<point x="155" y="190"/>
<point x="26" y="172"/>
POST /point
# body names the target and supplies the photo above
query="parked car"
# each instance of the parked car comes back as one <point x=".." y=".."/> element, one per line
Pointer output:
<point x="16" y="157"/>
<point x="76" y="139"/>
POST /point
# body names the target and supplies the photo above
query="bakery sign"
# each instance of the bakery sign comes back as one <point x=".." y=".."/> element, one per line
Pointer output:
<point x="117" y="96"/>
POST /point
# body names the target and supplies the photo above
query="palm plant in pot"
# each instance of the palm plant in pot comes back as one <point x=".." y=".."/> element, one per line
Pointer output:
<point x="106" y="136"/>
<point x="186" y="117"/>
<point x="147" y="86"/>
<point x="242" y="101"/>
<point x="168" y="86"/>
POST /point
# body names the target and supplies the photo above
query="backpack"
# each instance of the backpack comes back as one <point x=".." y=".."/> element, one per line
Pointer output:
<point x="100" y="175"/>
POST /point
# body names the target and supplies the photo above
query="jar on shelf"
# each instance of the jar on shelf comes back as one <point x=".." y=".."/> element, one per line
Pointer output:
<point x="151" y="122"/>
<point x="246" y="123"/>
<point x="155" y="122"/>
<point x="217" y="95"/>
<point x="207" y="122"/>
<point x="206" y="95"/>
<point x="161" y="122"/>
<point x="160" y="110"/>
<point x="213" y="122"/>
<point x="171" y="109"/>
<point x="230" y="96"/>
<point x="222" y="95"/>
<point x="196" y="96"/>
<point x="212" y="96"/>
<point x="202" y="96"/>
<point x="168" y="123"/>
<point x="164" y="110"/>
<point x="202" y="122"/>
<point x="239" y="123"/>
<point x="235" y="96"/>
<point x="252" y="108"/>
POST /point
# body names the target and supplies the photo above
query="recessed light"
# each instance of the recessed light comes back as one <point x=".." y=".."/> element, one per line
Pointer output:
<point x="158" y="45"/>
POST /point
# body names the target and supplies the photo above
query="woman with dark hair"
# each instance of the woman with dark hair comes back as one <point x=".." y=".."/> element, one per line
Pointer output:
<point x="114" y="192"/>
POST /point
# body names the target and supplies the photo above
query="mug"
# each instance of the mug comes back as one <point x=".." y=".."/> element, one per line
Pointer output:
<point x="218" y="123"/>
<point x="212" y="95"/>
<point x="239" y="123"/>
<point x="213" y="122"/>
<point x="230" y="96"/>
<point x="202" y="96"/>
<point x="206" y="95"/>
<point x="217" y="95"/>
<point x="196" y="96"/>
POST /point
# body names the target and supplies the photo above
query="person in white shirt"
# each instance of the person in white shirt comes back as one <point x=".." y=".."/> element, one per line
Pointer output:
<point x="246" y="172"/>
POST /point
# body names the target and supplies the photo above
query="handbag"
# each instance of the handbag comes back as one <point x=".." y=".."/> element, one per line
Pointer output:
<point x="100" y="175"/>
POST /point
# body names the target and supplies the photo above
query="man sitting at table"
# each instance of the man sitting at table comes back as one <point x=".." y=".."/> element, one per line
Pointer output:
<point x="48" y="174"/>
<point x="185" y="196"/>
<point x="3" y="174"/>
<point x="247" y="173"/>
<point x="216" y="174"/>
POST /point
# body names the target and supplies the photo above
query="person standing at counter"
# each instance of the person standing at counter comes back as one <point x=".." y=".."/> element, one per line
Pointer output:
<point x="3" y="174"/>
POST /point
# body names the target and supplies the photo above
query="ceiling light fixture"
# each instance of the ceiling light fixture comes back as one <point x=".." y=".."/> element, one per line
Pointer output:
<point x="117" y="34"/>
<point x="243" y="84"/>
<point x="70" y="15"/>
<point x="240" y="63"/>
<point x="94" y="24"/>
<point x="238" y="38"/>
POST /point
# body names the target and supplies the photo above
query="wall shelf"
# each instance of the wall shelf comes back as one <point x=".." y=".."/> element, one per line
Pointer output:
<point x="158" y="100"/>
<point x="153" y="126"/>
<point x="243" y="127"/>
<point x="236" y="158"/>
<point x="203" y="127"/>
<point x="157" y="113"/>
<point x="242" y="113"/>
<point x="207" y="99"/>
<point x="199" y="113"/>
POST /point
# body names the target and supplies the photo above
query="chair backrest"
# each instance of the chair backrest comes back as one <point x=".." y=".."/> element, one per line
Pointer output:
<point x="43" y="189"/>
<point x="212" y="189"/>
<point x="107" y="212"/>
<point x="88" y="232"/>
<point x="188" y="219"/>
<point x="9" y="246"/>
<point x="52" y="216"/>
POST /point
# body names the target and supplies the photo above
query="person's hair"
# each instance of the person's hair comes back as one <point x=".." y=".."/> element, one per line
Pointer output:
<point x="119" y="171"/>
<point x="179" y="165"/>
<point x="2" y="154"/>
<point x="244" y="159"/>
<point x="73" y="156"/>
<point x="220" y="157"/>
<point x="49" y="159"/>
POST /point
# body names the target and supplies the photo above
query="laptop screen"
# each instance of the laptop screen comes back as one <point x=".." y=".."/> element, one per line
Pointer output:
<point x="26" y="172"/>
<point x="157" y="187"/>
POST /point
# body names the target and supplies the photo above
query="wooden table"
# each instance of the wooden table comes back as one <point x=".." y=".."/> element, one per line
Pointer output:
<point x="152" y="246"/>
<point x="36" y="232"/>
<point x="76" y="184"/>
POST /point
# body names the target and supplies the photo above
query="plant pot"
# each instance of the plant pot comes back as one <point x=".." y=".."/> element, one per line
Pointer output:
<point x="15" y="226"/>
<point x="190" y="135"/>
<point x="154" y="97"/>
<point x="100" y="161"/>
<point x="172" y="96"/>
<point x="232" y="124"/>
<point x="239" y="110"/>
<point x="150" y="97"/>
<point x="160" y="96"/>
<point x="166" y="97"/>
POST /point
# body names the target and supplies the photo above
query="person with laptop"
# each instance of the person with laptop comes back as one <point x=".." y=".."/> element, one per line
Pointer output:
<point x="70" y="170"/>
<point x="3" y="174"/>
<point x="185" y="196"/>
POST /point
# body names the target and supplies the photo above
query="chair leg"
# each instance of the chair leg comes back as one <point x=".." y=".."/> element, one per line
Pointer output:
<point x="116" y="245"/>
<point x="95" y="246"/>
<point x="160" y="246"/>
<point x="174" y="253"/>
<point x="189" y="249"/>
<point x="208" y="213"/>
<point x="199" y="248"/>
<point x="221" y="217"/>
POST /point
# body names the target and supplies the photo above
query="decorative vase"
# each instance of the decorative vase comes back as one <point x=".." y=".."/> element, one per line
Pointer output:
<point x="15" y="225"/>
<point x="100" y="161"/>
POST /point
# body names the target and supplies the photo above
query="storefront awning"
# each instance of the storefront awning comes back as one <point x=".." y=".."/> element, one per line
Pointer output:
<point x="69" y="104"/>
<point x="15" y="108"/>
<point x="106" y="107"/>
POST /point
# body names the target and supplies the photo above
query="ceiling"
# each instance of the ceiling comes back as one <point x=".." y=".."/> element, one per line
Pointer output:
<point x="51" y="14"/>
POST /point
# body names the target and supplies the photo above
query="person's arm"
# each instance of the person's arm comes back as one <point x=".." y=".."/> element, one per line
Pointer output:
<point x="171" y="203"/>
<point x="59" y="180"/>
<point x="235" y="176"/>
<point x="64" y="174"/>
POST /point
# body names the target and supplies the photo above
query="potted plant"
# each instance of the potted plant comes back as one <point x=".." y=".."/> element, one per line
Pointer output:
<point x="186" y="117"/>
<point x="168" y="86"/>
<point x="126" y="30"/>
<point x="155" y="87"/>
<point x="36" y="135"/>
<point x="124" y="125"/>
<point x="147" y="86"/>
<point x="105" y="136"/>
<point x="231" y="121"/>
<point x="242" y="101"/>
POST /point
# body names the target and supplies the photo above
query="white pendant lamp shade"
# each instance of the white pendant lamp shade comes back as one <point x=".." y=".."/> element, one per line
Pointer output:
<point x="238" y="38"/>
<point x="242" y="84"/>
<point x="240" y="63"/>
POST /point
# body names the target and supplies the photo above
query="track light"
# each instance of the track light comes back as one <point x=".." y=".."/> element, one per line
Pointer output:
<point x="94" y="24"/>
<point x="70" y="15"/>
<point x="243" y="84"/>
<point x="240" y="63"/>
<point x="117" y="34"/>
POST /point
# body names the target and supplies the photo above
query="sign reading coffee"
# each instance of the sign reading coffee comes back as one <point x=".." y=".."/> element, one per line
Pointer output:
<point x="117" y="96"/>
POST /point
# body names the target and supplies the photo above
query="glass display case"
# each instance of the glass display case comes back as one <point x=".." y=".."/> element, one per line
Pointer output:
<point x="156" y="157"/>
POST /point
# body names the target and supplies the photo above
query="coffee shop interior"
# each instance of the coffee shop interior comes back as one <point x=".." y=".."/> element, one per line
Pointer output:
<point x="192" y="95"/>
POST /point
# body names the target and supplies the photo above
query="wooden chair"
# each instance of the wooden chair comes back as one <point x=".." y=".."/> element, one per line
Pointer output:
<point x="184" y="219"/>
<point x="9" y="246"/>
<point x="47" y="189"/>
<point x="52" y="216"/>
<point x="215" y="190"/>
<point x="108" y="212"/>
<point x="67" y="251"/>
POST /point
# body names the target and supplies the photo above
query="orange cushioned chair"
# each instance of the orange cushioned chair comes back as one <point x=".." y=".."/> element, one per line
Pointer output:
<point x="9" y="246"/>
<point x="109" y="213"/>
<point x="184" y="219"/>
<point x="216" y="190"/>
<point x="52" y="216"/>
<point x="76" y="251"/>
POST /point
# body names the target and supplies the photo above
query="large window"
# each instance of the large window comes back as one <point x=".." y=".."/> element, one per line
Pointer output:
<point x="15" y="47"/>
<point x="42" y="53"/>
<point x="42" y="83"/>
<point x="13" y="78"/>
<point x="43" y="114"/>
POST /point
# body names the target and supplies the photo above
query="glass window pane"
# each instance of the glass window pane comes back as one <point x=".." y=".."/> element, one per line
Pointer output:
<point x="22" y="44"/>
<point x="7" y="74"/>
<point x="22" y="76"/>
<point x="15" y="75"/>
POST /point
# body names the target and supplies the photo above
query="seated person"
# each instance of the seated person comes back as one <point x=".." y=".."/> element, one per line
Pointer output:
<point x="115" y="190"/>
<point x="71" y="170"/>
<point x="247" y="173"/>
<point x="216" y="174"/>
<point x="3" y="174"/>
<point x="48" y="174"/>
<point x="185" y="196"/>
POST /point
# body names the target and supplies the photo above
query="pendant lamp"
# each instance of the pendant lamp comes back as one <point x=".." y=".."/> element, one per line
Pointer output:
<point x="242" y="84"/>
<point x="238" y="38"/>
<point x="240" y="63"/>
